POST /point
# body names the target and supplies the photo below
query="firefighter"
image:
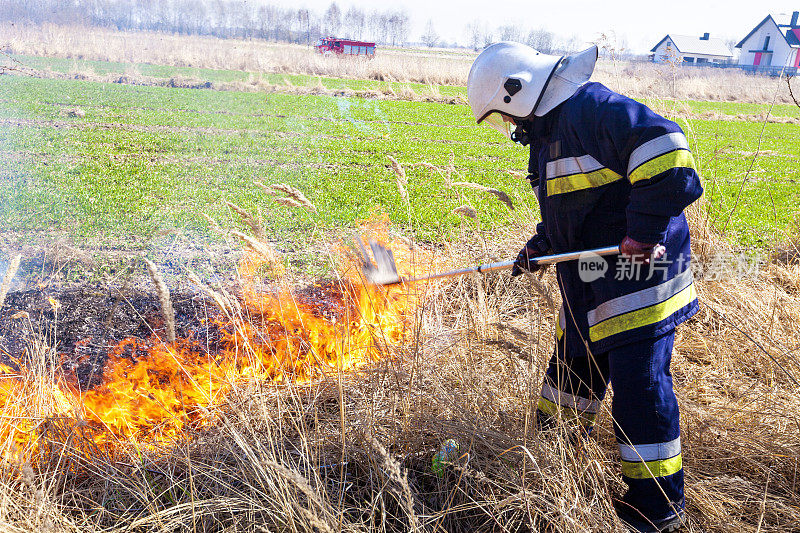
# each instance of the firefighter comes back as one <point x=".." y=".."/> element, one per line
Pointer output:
<point x="606" y="170"/>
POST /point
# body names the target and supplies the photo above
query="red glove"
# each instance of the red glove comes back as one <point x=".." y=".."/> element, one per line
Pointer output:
<point x="640" y="252"/>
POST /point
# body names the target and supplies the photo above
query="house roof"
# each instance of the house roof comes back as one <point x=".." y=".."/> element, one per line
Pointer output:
<point x="785" y="30"/>
<point x="793" y="38"/>
<point x="688" y="44"/>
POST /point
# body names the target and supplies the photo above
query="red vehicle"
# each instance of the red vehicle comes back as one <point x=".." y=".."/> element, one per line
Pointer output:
<point x="345" y="47"/>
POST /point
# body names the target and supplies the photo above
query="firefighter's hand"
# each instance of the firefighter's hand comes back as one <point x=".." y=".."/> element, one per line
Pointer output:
<point x="537" y="246"/>
<point x="640" y="252"/>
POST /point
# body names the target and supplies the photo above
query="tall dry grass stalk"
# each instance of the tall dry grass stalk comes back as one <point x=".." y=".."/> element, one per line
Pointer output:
<point x="500" y="195"/>
<point x="167" y="311"/>
<point x="401" y="180"/>
<point x="294" y="197"/>
<point x="466" y="211"/>
<point x="254" y="222"/>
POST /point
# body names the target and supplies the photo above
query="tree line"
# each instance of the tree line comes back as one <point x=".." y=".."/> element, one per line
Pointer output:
<point x="254" y="20"/>
<point x="218" y="18"/>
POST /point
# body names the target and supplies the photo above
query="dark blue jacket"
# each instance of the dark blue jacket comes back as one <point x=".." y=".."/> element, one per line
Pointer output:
<point x="606" y="167"/>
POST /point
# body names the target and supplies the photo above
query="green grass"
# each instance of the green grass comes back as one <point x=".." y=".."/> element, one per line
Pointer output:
<point x="146" y="159"/>
<point x="103" y="68"/>
<point x="177" y="153"/>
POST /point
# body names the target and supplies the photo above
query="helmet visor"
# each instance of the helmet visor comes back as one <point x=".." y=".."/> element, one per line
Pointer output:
<point x="501" y="123"/>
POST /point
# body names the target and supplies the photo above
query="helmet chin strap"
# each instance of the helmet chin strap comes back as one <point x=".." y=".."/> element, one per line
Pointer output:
<point x="522" y="133"/>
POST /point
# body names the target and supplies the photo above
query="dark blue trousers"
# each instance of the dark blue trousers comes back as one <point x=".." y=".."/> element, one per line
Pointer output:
<point x="644" y="411"/>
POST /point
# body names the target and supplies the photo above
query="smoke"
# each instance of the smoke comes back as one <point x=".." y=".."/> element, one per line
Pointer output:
<point x="348" y="108"/>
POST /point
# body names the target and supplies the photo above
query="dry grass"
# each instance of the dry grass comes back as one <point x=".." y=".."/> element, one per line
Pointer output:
<point x="167" y="311"/>
<point x="293" y="196"/>
<point x="353" y="452"/>
<point x="649" y="80"/>
<point x="227" y="54"/>
<point x="638" y="80"/>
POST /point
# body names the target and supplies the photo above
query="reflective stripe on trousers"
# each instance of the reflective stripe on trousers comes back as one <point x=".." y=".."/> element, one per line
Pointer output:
<point x="561" y="323"/>
<point x="643" y="461"/>
<point x="558" y="403"/>
<point x="644" y="412"/>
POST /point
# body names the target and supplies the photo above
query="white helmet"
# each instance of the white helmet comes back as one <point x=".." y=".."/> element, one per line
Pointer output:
<point x="514" y="80"/>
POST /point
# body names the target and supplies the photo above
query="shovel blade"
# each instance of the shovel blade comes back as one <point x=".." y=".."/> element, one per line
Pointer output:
<point x="384" y="270"/>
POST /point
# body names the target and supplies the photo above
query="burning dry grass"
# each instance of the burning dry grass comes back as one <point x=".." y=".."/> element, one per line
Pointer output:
<point x="351" y="450"/>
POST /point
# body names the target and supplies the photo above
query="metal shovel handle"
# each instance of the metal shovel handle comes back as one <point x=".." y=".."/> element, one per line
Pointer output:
<point x="542" y="260"/>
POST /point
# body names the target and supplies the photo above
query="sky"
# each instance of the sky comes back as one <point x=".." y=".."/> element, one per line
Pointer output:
<point x="640" y="24"/>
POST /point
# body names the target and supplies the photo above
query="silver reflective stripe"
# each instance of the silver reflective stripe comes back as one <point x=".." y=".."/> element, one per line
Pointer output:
<point x="656" y="147"/>
<point x="572" y="165"/>
<point x="578" y="403"/>
<point x="640" y="299"/>
<point x="650" y="452"/>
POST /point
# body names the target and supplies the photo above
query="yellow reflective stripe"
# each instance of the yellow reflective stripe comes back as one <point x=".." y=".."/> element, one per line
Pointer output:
<point x="548" y="407"/>
<point x="577" y="182"/>
<point x="652" y="469"/>
<point x="676" y="159"/>
<point x="644" y="316"/>
<point x="560" y="319"/>
<point x="639" y="299"/>
<point x="554" y="410"/>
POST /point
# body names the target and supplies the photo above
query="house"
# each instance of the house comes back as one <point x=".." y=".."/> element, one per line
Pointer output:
<point x="691" y="50"/>
<point x="774" y="42"/>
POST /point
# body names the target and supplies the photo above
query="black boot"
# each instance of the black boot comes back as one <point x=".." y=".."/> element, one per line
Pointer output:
<point x="638" y="523"/>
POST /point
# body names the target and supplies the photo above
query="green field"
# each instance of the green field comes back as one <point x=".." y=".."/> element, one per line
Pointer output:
<point x="147" y="159"/>
<point x="76" y="67"/>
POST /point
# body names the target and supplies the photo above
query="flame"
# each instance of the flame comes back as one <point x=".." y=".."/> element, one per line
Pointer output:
<point x="151" y="393"/>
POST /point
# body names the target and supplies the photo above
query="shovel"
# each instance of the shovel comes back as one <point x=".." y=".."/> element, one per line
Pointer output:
<point x="384" y="270"/>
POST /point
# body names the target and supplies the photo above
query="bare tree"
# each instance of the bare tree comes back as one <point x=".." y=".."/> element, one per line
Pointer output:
<point x="354" y="22"/>
<point x="267" y="21"/>
<point x="488" y="38"/>
<point x="573" y="44"/>
<point x="304" y="22"/>
<point x="283" y="27"/>
<point x="730" y="43"/>
<point x="475" y="33"/>
<point x="429" y="36"/>
<point x="398" y="27"/>
<point x="221" y="18"/>
<point x="379" y="26"/>
<point x="540" y="39"/>
<point x="240" y="18"/>
<point x="332" y="20"/>
<point x="510" y="33"/>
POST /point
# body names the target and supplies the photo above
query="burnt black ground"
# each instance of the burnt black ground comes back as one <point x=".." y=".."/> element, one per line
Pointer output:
<point x="87" y="321"/>
<point x="84" y="322"/>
